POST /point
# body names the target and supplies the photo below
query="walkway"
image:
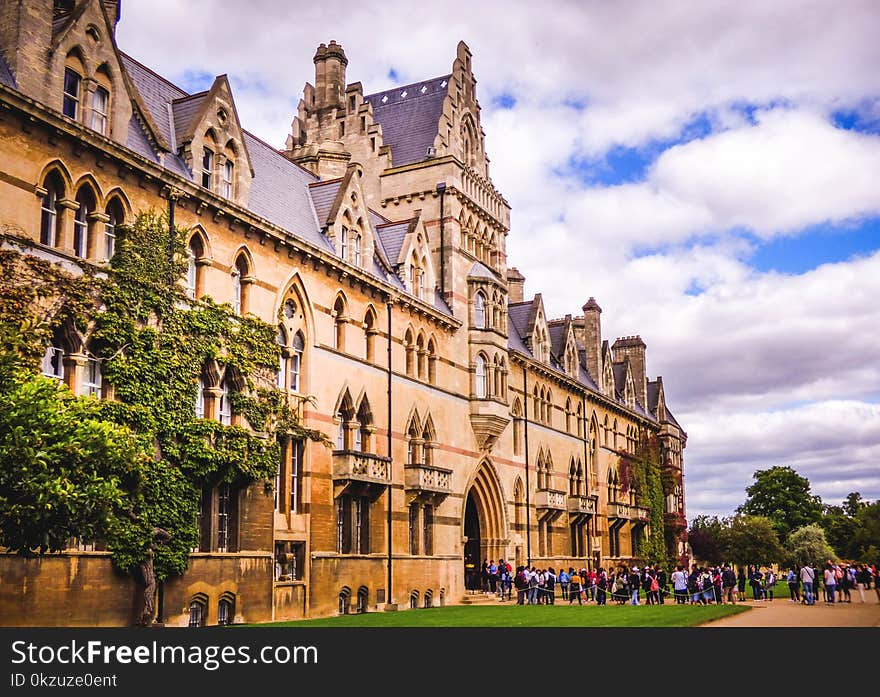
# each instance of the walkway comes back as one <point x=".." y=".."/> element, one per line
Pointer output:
<point x="783" y="613"/>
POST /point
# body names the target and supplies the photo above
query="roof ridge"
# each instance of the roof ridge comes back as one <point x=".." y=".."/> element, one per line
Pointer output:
<point x="417" y="83"/>
<point x="153" y="72"/>
<point x="195" y="95"/>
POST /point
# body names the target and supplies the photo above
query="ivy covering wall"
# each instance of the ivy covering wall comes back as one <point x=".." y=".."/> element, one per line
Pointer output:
<point x="122" y="469"/>
<point x="642" y="473"/>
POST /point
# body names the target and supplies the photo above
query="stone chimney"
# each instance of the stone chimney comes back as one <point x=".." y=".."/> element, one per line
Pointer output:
<point x="113" y="8"/>
<point x="633" y="348"/>
<point x="591" y="338"/>
<point x="515" y="285"/>
<point x="330" y="62"/>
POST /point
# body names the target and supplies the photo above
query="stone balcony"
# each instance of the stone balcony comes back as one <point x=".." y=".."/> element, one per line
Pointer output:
<point x="358" y="473"/>
<point x="550" y="500"/>
<point x="618" y="510"/>
<point x="639" y="514"/>
<point x="489" y="418"/>
<point x="427" y="480"/>
<point x="581" y="505"/>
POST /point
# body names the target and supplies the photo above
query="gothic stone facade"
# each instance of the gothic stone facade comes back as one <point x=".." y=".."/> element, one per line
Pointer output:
<point x="376" y="235"/>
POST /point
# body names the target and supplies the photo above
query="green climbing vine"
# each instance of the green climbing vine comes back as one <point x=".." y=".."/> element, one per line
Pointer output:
<point x="154" y="344"/>
<point x="642" y="473"/>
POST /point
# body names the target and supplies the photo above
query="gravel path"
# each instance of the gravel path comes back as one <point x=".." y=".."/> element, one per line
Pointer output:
<point x="783" y="613"/>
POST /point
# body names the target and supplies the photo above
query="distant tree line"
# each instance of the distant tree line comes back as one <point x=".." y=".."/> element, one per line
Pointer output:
<point x="781" y="521"/>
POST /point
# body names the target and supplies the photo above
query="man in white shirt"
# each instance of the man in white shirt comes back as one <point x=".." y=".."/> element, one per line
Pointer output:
<point x="807" y="578"/>
<point x="680" y="585"/>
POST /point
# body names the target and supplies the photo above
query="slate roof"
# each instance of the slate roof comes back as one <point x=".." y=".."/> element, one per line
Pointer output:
<point x="518" y="314"/>
<point x="557" y="338"/>
<point x="619" y="370"/>
<point x="6" y="77"/>
<point x="323" y="195"/>
<point x="409" y="117"/>
<point x="184" y="111"/>
<point x="392" y="236"/>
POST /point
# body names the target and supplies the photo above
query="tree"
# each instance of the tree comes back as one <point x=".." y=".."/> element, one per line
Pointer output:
<point x="704" y="537"/>
<point x="783" y="496"/>
<point x="853" y="503"/>
<point x="840" y="529"/>
<point x="747" y="539"/>
<point x="61" y="466"/>
<point x="128" y="471"/>
<point x="866" y="540"/>
<point x="808" y="545"/>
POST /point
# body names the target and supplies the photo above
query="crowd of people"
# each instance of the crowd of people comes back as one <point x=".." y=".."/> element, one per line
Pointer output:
<point x="701" y="585"/>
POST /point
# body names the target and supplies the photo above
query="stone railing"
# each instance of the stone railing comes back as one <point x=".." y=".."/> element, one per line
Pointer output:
<point x="485" y="195"/>
<point x="421" y="477"/>
<point x="639" y="513"/>
<point x="550" y="498"/>
<point x="363" y="467"/>
<point x="582" y="504"/>
<point x="618" y="510"/>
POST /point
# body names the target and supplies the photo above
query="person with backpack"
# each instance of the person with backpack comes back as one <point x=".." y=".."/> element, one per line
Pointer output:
<point x="663" y="585"/>
<point x="728" y="584"/>
<point x="793" y="586"/>
<point x="680" y="585"/>
<point x="550" y="586"/>
<point x="521" y="583"/>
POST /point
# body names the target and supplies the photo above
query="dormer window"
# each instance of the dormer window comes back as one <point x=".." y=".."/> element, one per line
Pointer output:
<point x="100" y="103"/>
<point x="226" y="186"/>
<point x="207" y="167"/>
<point x="72" y="87"/>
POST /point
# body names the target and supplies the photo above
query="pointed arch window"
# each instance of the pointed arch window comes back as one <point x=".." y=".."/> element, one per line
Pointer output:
<point x="339" y="320"/>
<point x="409" y="347"/>
<point x="432" y="362"/>
<point x="343" y="243"/>
<point x="517" y="428"/>
<point x="281" y="341"/>
<point x="480" y="310"/>
<point x="356" y="248"/>
<point x="481" y="382"/>
<point x="421" y="357"/>
<point x="370" y="332"/>
<point x="53" y="359"/>
<point x="49" y="210"/>
<point x="295" y="362"/>
<point x="364" y="427"/>
<point x="225" y="410"/>
<point x="240" y="281"/>
<point x="85" y="208"/>
<point x="115" y="218"/>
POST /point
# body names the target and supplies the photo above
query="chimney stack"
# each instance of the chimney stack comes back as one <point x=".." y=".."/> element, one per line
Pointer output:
<point x="592" y="338"/>
<point x="515" y="285"/>
<point x="633" y="347"/>
<point x="330" y="62"/>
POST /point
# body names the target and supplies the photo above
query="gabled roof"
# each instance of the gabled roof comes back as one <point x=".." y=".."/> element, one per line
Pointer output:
<point x="392" y="236"/>
<point x="558" y="337"/>
<point x="323" y="195"/>
<point x="619" y="370"/>
<point x="518" y="314"/>
<point x="6" y="77"/>
<point x="410" y="117"/>
<point x="185" y="110"/>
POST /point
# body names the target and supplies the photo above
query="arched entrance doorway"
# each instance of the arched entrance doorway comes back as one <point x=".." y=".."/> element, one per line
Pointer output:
<point x="484" y="525"/>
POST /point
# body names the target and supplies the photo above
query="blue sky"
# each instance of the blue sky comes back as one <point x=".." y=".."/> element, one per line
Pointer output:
<point x="708" y="172"/>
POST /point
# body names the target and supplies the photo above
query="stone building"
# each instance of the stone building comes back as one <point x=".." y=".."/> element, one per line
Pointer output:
<point x="376" y="235"/>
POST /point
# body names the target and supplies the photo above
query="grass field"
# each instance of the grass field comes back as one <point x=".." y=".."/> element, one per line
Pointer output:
<point x="512" y="615"/>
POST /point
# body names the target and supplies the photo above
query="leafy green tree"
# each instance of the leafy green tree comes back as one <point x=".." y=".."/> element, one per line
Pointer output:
<point x="853" y="503"/>
<point x="747" y="539"/>
<point x="866" y="540"/>
<point x="62" y="468"/>
<point x="840" y="529"/>
<point x="704" y="537"/>
<point x="808" y="545"/>
<point x="128" y="471"/>
<point x="783" y="496"/>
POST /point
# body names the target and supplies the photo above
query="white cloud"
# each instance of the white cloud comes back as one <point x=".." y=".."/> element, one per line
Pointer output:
<point x="754" y="363"/>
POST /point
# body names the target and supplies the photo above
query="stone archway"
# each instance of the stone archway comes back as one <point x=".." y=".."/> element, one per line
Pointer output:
<point x="484" y="524"/>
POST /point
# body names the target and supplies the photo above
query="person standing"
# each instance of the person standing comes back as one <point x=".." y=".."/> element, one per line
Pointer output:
<point x="808" y="577"/>
<point x="728" y="584"/>
<point x="550" y="585"/>
<point x="863" y="580"/>
<point x="601" y="586"/>
<point x="741" y="583"/>
<point x="769" y="583"/>
<point x="493" y="576"/>
<point x="830" y="584"/>
<point x="521" y="583"/>
<point x="794" y="592"/>
<point x="679" y="585"/>
<point x="663" y="585"/>
<point x="635" y="584"/>
<point x="574" y="590"/>
<point x="564" y="580"/>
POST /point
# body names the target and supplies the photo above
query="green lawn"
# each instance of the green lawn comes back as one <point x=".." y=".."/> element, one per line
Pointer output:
<point x="512" y="615"/>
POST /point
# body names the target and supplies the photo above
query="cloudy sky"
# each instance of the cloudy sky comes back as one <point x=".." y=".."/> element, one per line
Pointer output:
<point x="709" y="171"/>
